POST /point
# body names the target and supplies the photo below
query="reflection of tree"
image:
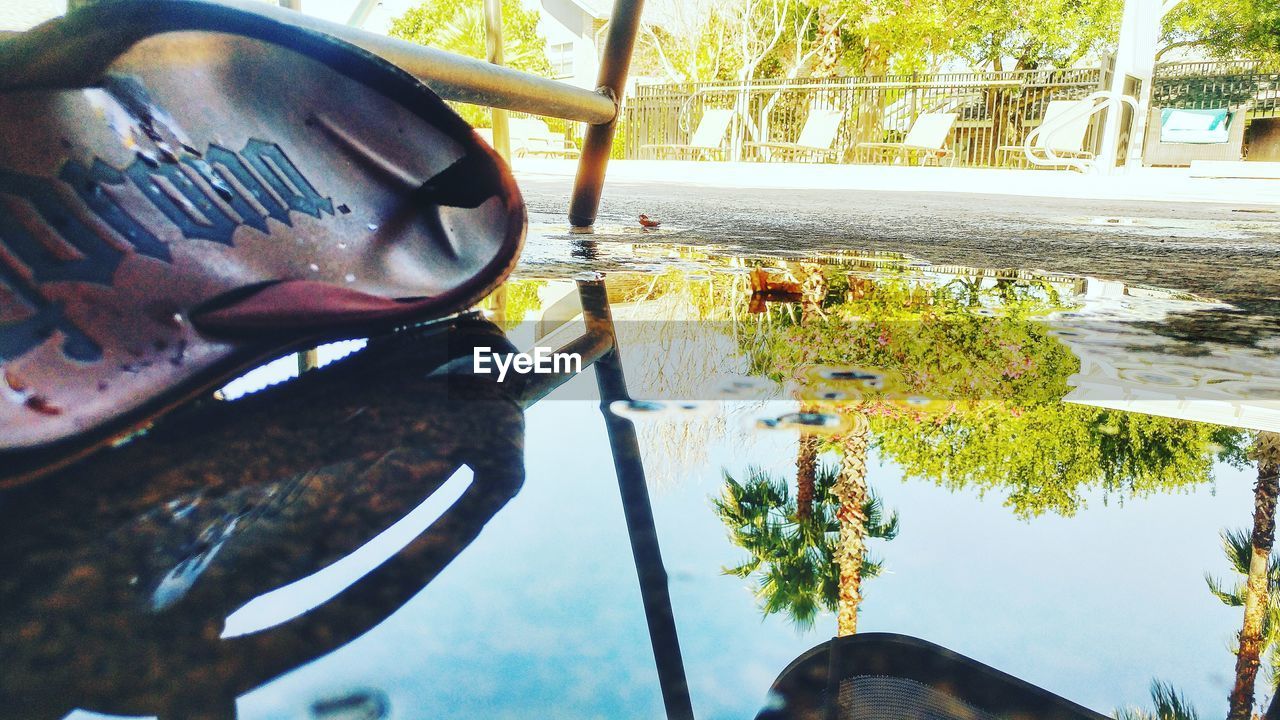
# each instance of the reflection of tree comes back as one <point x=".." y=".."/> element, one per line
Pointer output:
<point x="1258" y="598"/>
<point x="1167" y="703"/>
<point x="995" y="378"/>
<point x="797" y="560"/>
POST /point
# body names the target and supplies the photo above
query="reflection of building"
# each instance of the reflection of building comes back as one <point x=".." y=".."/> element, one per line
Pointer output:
<point x="1129" y="369"/>
<point x="574" y="30"/>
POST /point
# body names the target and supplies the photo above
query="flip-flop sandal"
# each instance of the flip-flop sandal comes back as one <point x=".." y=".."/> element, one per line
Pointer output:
<point x="187" y="190"/>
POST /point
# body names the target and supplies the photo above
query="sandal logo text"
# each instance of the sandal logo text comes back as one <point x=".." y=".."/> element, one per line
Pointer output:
<point x="207" y="197"/>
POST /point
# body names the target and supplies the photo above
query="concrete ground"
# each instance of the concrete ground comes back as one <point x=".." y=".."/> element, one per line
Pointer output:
<point x="1217" y="238"/>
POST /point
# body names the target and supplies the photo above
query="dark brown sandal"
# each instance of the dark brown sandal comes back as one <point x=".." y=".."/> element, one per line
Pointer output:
<point x="188" y="190"/>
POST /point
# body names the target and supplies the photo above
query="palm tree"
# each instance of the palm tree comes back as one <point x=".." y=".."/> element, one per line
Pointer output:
<point x="1169" y="705"/>
<point x="794" y="558"/>
<point x="1266" y="452"/>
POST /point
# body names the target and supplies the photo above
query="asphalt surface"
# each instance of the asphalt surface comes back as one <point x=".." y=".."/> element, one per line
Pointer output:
<point x="1225" y="252"/>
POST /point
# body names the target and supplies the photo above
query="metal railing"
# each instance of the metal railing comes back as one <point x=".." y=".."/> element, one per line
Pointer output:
<point x="1248" y="84"/>
<point x="996" y="110"/>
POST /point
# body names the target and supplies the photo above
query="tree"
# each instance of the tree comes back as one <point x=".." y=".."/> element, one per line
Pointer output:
<point x="458" y="26"/>
<point x="794" y="558"/>
<point x="1031" y="34"/>
<point x="1227" y="29"/>
<point x="1237" y="545"/>
<point x="999" y="377"/>
<point x="1169" y="704"/>
<point x="1257" y="597"/>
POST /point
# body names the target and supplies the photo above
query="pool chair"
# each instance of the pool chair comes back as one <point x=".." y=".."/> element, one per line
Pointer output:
<point x="926" y="139"/>
<point x="1061" y="134"/>
<point x="815" y="141"/>
<point x="707" y="141"/>
<point x="884" y="676"/>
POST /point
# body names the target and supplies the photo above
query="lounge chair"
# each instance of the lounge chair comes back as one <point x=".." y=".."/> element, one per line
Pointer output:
<point x="927" y="137"/>
<point x="531" y="136"/>
<point x="707" y="140"/>
<point x="884" y="675"/>
<point x="1061" y="132"/>
<point x="816" y="138"/>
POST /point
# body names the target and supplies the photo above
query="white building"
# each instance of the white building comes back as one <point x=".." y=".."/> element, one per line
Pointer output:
<point x="574" y="30"/>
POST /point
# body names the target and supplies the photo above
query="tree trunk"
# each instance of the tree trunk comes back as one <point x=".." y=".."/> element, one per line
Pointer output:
<point x="1266" y="451"/>
<point x="871" y="102"/>
<point x="806" y="473"/>
<point x="851" y="492"/>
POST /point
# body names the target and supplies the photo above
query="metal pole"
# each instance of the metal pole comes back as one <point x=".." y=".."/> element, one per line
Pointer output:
<point x="493" y="48"/>
<point x="655" y="593"/>
<point x="295" y="5"/>
<point x="611" y="81"/>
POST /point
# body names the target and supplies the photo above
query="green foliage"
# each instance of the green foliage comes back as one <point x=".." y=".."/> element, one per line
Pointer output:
<point x="1034" y="33"/>
<point x="458" y="26"/>
<point x="1237" y="546"/>
<point x="1227" y="29"/>
<point x="793" y="558"/>
<point x="1047" y="457"/>
<point x="1169" y="704"/>
<point x="1000" y="376"/>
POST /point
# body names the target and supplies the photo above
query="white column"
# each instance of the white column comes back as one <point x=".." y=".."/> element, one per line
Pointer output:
<point x="1136" y="56"/>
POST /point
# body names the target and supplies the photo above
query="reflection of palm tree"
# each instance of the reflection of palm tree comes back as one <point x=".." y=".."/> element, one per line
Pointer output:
<point x="1169" y="705"/>
<point x="1266" y="451"/>
<point x="1238" y="547"/>
<point x="851" y="492"/>
<point x="794" y="557"/>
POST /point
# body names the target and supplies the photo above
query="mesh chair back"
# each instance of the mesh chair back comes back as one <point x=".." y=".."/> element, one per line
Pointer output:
<point x="930" y="130"/>
<point x="711" y="128"/>
<point x="1065" y="124"/>
<point x="882" y="676"/>
<point x="820" y="128"/>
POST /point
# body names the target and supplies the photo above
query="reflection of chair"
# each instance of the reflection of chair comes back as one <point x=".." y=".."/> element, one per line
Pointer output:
<point x="926" y="138"/>
<point x="1062" y="131"/>
<point x="816" y="138"/>
<point x="234" y="500"/>
<point x="707" y="140"/>
<point x="870" y="676"/>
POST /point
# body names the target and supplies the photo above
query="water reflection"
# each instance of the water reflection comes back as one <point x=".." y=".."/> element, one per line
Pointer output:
<point x="816" y="386"/>
<point x="121" y="576"/>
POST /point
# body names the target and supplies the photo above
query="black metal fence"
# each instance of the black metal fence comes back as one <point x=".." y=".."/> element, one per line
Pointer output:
<point x="1248" y="85"/>
<point x="996" y="111"/>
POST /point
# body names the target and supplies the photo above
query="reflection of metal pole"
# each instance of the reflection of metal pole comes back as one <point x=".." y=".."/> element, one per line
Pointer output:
<point x="360" y="15"/>
<point x="612" y="81"/>
<point x="493" y="48"/>
<point x="308" y="360"/>
<point x="654" y="590"/>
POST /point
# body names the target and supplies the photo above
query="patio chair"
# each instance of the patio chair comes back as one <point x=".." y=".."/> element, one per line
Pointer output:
<point x="707" y="140"/>
<point x="884" y="676"/>
<point x="1062" y="131"/>
<point x="927" y="137"/>
<point x="531" y="136"/>
<point x="816" y="138"/>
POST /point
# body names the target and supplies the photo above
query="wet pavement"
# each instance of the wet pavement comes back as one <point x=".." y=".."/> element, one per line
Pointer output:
<point x="1029" y="467"/>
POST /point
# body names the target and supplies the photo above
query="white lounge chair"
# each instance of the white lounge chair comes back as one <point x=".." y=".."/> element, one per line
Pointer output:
<point x="707" y="140"/>
<point x="816" y="137"/>
<point x="530" y="136"/>
<point x="927" y="138"/>
<point x="1062" y="132"/>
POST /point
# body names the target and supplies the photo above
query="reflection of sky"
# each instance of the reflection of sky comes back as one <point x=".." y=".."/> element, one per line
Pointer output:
<point x="541" y="616"/>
